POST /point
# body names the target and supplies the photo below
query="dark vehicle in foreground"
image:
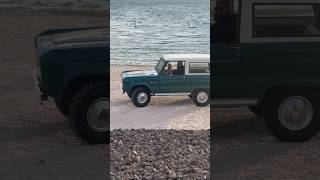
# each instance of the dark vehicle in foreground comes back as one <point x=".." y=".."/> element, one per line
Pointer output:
<point x="72" y="68"/>
<point x="266" y="55"/>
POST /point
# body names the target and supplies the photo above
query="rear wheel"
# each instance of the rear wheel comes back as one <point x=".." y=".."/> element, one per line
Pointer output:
<point x="201" y="97"/>
<point x="293" y="115"/>
<point x="89" y="113"/>
<point x="141" y="97"/>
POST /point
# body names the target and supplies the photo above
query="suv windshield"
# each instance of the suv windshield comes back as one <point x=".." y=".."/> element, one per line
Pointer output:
<point x="159" y="65"/>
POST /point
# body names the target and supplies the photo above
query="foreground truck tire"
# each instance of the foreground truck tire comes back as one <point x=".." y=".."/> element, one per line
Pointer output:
<point x="293" y="115"/>
<point x="89" y="113"/>
<point x="256" y="110"/>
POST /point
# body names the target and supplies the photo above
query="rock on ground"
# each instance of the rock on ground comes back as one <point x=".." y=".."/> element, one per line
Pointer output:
<point x="160" y="154"/>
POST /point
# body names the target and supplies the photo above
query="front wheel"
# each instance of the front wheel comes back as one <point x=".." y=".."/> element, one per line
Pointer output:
<point x="141" y="97"/>
<point x="129" y="95"/>
<point x="89" y="113"/>
<point x="293" y="115"/>
<point x="201" y="97"/>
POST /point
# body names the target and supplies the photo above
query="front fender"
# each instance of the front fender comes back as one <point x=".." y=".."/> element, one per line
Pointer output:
<point x="136" y="84"/>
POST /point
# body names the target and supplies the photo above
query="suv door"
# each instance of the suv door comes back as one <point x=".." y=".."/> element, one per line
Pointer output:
<point x="198" y="76"/>
<point x="282" y="47"/>
<point x="172" y="83"/>
<point x="225" y="52"/>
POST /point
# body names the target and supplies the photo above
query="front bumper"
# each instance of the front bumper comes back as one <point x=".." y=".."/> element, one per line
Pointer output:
<point x="37" y="84"/>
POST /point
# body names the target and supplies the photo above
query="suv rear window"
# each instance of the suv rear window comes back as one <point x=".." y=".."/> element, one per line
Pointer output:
<point x="286" y="20"/>
<point x="199" y="68"/>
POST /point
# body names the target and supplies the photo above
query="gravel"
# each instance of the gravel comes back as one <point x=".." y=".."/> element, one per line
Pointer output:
<point x="160" y="154"/>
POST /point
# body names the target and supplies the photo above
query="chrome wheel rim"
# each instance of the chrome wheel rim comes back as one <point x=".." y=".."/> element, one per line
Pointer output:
<point x="142" y="97"/>
<point x="295" y="113"/>
<point x="97" y="115"/>
<point x="202" y="97"/>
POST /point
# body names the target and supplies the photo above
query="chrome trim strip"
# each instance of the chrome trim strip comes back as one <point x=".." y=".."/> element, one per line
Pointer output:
<point x="171" y="94"/>
<point x="235" y="102"/>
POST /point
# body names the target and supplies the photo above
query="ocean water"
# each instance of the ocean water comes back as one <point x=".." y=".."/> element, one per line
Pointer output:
<point x="143" y="30"/>
<point x="97" y="5"/>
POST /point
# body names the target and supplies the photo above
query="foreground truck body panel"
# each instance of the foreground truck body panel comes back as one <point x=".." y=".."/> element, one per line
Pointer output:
<point x="72" y="65"/>
<point x="269" y="62"/>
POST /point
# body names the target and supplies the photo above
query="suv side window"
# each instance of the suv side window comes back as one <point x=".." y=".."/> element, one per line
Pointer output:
<point x="225" y="22"/>
<point x="286" y="20"/>
<point x="175" y="68"/>
<point x="199" y="68"/>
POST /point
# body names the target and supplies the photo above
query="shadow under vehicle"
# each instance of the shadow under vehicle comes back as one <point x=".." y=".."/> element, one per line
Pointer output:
<point x="72" y="68"/>
<point x="266" y="56"/>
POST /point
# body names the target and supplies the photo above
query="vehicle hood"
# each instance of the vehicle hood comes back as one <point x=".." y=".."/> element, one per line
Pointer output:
<point x="91" y="35"/>
<point x="137" y="73"/>
<point x="70" y="38"/>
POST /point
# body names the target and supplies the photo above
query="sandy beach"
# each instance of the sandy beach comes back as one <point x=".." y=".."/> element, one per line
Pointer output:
<point x="243" y="148"/>
<point x="162" y="112"/>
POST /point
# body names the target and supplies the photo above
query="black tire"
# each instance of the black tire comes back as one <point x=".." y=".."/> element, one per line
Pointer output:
<point x="129" y="95"/>
<point x="62" y="103"/>
<point x="61" y="108"/>
<point x="190" y="96"/>
<point x="195" y="95"/>
<point x="135" y="95"/>
<point x="256" y="110"/>
<point x="79" y="107"/>
<point x="278" y="129"/>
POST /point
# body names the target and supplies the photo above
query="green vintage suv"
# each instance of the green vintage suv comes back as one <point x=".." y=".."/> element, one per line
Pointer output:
<point x="266" y="55"/>
<point x="174" y="75"/>
<point x="73" y="68"/>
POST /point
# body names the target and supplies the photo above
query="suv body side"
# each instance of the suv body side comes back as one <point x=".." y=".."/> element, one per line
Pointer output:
<point x="162" y="84"/>
<point x="246" y="70"/>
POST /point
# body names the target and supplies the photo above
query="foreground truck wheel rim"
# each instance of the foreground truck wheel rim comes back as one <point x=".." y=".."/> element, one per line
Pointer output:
<point x="202" y="97"/>
<point x="97" y="115"/>
<point x="295" y="113"/>
<point x="142" y="98"/>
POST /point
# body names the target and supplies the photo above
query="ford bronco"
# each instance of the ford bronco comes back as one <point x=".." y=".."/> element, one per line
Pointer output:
<point x="174" y="75"/>
<point x="72" y="68"/>
<point x="265" y="55"/>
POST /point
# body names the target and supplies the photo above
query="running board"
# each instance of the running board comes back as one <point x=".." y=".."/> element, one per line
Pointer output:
<point x="234" y="102"/>
<point x="172" y="94"/>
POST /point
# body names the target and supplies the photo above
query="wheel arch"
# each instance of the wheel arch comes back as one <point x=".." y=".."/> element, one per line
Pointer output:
<point x="73" y="86"/>
<point x="275" y="89"/>
<point x="135" y="86"/>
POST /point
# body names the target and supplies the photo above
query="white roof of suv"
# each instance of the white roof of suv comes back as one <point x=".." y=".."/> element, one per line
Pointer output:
<point x="187" y="57"/>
